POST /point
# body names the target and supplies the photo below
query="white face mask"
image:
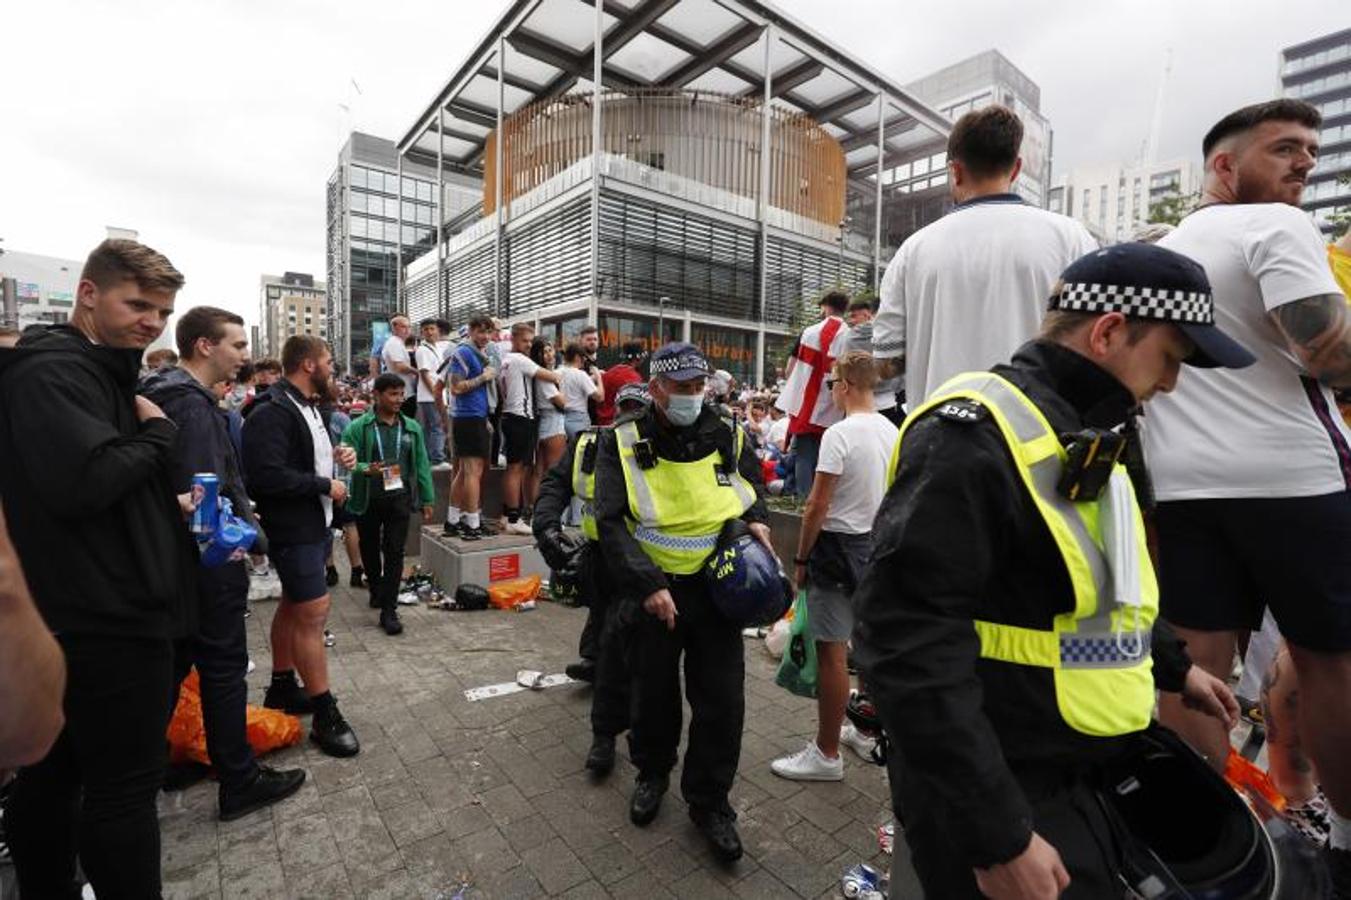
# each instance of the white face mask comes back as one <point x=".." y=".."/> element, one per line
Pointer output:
<point x="683" y="409"/>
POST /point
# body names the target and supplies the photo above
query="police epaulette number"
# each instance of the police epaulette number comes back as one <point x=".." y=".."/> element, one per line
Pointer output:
<point x="962" y="411"/>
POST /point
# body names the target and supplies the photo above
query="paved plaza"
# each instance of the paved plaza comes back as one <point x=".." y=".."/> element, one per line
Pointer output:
<point x="493" y="793"/>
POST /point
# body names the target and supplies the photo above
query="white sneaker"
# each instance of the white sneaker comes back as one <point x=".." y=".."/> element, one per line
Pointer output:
<point x="517" y="527"/>
<point x="855" y="740"/>
<point x="809" y="764"/>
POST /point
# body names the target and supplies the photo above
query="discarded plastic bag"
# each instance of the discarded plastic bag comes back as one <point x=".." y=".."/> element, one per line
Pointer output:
<point x="777" y="639"/>
<point x="267" y="729"/>
<point x="512" y="593"/>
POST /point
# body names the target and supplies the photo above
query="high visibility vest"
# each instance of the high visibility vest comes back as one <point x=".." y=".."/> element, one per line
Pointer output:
<point x="677" y="509"/>
<point x="1099" y="652"/>
<point x="584" y="484"/>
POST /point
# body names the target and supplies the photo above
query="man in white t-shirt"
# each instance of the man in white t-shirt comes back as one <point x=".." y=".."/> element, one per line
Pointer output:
<point x="517" y="384"/>
<point x="832" y="550"/>
<point x="431" y="405"/>
<point x="966" y="291"/>
<point x="397" y="359"/>
<point x="1252" y="467"/>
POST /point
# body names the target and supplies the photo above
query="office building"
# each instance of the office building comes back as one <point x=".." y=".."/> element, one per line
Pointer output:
<point x="1319" y="71"/>
<point x="1113" y="200"/>
<point x="36" y="289"/>
<point x="293" y="303"/>
<point x="723" y="177"/>
<point x="371" y="219"/>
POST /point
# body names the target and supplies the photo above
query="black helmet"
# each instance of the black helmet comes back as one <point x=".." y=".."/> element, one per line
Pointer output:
<point x="568" y="579"/>
<point x="745" y="579"/>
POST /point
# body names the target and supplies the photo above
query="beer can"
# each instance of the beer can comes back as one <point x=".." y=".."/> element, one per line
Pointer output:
<point x="206" y="494"/>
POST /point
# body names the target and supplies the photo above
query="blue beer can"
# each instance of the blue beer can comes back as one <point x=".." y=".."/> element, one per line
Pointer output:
<point x="206" y="493"/>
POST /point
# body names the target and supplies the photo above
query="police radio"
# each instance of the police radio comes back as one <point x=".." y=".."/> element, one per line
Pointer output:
<point x="1093" y="455"/>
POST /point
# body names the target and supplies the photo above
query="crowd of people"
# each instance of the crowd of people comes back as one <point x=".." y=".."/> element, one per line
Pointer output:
<point x="1024" y="519"/>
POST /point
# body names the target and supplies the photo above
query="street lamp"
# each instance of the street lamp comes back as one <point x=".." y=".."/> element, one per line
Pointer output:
<point x="661" y="320"/>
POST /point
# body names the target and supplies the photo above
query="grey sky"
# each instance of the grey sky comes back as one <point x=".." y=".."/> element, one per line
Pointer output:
<point x="211" y="126"/>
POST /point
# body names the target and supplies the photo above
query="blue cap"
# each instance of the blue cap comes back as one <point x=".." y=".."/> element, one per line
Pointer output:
<point x="679" y="361"/>
<point x="1146" y="281"/>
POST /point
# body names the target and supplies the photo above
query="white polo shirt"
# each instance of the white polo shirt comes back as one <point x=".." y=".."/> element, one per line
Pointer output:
<point x="966" y="291"/>
<point x="1270" y="430"/>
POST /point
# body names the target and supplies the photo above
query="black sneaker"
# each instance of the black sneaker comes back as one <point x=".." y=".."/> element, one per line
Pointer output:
<point x="646" y="800"/>
<point x="331" y="732"/>
<point x="720" y="829"/>
<point x="469" y="534"/>
<point x="358" y="578"/>
<point x="389" y="620"/>
<point x="288" y="697"/>
<point x="600" y="760"/>
<point x="582" y="670"/>
<point x="331" y="576"/>
<point x="268" y="786"/>
<point x="449" y="530"/>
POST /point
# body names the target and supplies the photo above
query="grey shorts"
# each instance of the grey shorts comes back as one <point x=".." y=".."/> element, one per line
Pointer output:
<point x="834" y="570"/>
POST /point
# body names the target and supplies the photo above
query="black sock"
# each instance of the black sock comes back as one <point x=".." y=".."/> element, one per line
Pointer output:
<point x="323" y="702"/>
<point x="513" y="513"/>
<point x="358" y="570"/>
<point x="283" y="677"/>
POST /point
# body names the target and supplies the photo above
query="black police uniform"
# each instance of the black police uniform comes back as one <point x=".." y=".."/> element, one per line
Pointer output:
<point x="600" y="640"/>
<point x="981" y="754"/>
<point x="712" y="644"/>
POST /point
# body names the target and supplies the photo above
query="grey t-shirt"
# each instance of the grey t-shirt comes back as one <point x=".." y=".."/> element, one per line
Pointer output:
<point x="860" y="337"/>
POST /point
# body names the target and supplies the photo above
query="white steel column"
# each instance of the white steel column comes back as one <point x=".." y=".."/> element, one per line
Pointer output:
<point x="398" y="246"/>
<point x="597" y="76"/>
<point x="441" y="306"/>
<point x="762" y="207"/>
<point x="498" y="180"/>
<point x="877" y="201"/>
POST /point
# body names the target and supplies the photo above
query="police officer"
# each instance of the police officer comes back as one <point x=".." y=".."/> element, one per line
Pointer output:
<point x="665" y="486"/>
<point x="602" y="658"/>
<point x="1004" y="626"/>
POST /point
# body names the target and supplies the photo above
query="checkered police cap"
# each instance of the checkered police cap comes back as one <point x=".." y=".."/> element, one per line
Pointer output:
<point x="679" y="361"/>
<point x="1142" y="281"/>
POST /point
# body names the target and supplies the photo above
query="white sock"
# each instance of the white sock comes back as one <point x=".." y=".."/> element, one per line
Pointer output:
<point x="452" y="516"/>
<point x="1340" y="836"/>
<point x="471" y="519"/>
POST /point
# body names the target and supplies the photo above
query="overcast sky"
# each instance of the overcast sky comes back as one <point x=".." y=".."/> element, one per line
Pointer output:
<point x="211" y="126"/>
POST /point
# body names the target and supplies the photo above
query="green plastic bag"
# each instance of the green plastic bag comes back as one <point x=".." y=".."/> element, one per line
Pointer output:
<point x="797" y="669"/>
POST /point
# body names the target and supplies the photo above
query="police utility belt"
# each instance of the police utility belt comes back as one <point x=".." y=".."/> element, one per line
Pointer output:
<point x="1098" y="651"/>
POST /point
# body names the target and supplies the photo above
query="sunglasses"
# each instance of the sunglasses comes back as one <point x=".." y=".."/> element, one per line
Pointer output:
<point x="831" y="382"/>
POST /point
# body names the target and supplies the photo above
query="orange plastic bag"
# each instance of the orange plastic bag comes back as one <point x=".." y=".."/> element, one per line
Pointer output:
<point x="1243" y="775"/>
<point x="267" y="729"/>
<point x="512" y="593"/>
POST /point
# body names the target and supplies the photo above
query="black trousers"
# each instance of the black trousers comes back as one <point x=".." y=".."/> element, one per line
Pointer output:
<point x="613" y="693"/>
<point x="382" y="530"/>
<point x="220" y="652"/>
<point x="94" y="793"/>
<point x="1065" y="813"/>
<point x="715" y="674"/>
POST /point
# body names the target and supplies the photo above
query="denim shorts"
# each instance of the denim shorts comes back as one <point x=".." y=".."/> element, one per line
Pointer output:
<point x="550" y="423"/>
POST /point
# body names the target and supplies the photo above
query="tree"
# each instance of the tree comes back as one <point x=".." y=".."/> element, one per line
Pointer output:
<point x="1340" y="219"/>
<point x="1172" y="207"/>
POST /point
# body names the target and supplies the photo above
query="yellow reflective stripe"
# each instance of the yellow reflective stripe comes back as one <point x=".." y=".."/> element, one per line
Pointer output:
<point x="1014" y="644"/>
<point x="581" y="482"/>
<point x="640" y="495"/>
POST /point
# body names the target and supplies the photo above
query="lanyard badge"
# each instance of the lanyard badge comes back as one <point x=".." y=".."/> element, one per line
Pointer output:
<point x="391" y="473"/>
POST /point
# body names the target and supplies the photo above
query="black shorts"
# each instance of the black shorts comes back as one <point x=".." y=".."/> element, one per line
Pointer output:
<point x="301" y="568"/>
<point x="1222" y="562"/>
<point x="518" y="439"/>
<point x="470" y="436"/>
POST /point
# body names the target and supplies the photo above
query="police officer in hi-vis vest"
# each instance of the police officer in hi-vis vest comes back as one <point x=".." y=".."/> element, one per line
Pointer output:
<point x="666" y="484"/>
<point x="1005" y="626"/>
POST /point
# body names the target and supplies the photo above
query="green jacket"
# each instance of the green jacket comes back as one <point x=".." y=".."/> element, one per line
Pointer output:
<point x="360" y="436"/>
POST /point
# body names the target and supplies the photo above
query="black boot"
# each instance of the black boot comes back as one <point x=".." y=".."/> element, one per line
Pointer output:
<point x="389" y="620"/>
<point x="286" y="694"/>
<point x="582" y="670"/>
<point x="720" y="829"/>
<point x="331" y="732"/>
<point x="601" y="758"/>
<point x="268" y="786"/>
<point x="646" y="800"/>
<point x="331" y="576"/>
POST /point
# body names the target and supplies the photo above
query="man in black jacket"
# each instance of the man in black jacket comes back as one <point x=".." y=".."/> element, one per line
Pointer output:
<point x="288" y="469"/>
<point x="1007" y="668"/>
<point x="212" y="346"/>
<point x="96" y="523"/>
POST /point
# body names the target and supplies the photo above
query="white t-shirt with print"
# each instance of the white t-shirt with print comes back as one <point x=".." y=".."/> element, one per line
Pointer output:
<point x="857" y="449"/>
<point x="576" y="387"/>
<point x="1269" y="430"/>
<point x="323" y="451"/>
<point x="517" y="385"/>
<point x="394" y="351"/>
<point x="427" y="358"/>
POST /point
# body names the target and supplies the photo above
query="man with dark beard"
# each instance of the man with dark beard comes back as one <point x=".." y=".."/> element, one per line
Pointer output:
<point x="288" y="469"/>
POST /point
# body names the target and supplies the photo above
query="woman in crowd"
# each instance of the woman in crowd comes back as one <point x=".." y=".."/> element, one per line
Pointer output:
<point x="577" y="388"/>
<point x="549" y="406"/>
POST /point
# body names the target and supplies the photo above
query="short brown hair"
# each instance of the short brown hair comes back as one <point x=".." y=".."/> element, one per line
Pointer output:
<point x="521" y="328"/>
<point x="298" y="348"/>
<point x="202" y="322"/>
<point x="1059" y="324"/>
<point x="986" y="141"/>
<point x="161" y="357"/>
<point x="482" y="320"/>
<point x="1249" y="117"/>
<point x="117" y="260"/>
<point x="267" y="365"/>
<point x="857" y="368"/>
<point x="836" y="300"/>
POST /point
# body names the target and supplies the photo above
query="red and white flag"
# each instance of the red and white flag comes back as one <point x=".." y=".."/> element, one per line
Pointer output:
<point x="804" y="398"/>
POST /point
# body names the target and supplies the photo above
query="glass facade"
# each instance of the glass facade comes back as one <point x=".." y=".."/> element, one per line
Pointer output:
<point x="727" y="348"/>
<point x="1319" y="72"/>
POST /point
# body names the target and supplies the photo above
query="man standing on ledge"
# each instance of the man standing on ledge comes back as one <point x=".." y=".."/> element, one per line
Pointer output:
<point x="288" y="467"/>
<point x="666" y="483"/>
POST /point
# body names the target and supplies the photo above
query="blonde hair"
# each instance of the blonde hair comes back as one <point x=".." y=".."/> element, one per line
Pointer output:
<point x="857" y="368"/>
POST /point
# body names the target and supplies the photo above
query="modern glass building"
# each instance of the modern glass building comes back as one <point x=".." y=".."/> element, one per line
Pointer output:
<point x="1319" y="71"/>
<point x="373" y="217"/>
<point x="722" y="178"/>
<point x="36" y="289"/>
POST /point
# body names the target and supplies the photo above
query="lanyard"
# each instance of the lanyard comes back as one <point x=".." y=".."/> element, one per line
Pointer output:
<point x="398" y="441"/>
